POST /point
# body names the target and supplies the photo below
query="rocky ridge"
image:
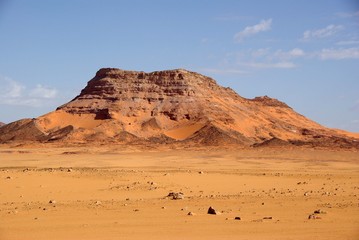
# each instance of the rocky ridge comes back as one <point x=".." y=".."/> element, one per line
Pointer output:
<point x="172" y="107"/>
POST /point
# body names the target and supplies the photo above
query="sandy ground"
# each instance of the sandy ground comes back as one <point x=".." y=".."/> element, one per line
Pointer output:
<point x="117" y="194"/>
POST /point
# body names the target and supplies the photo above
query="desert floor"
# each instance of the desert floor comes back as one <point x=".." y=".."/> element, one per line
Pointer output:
<point x="99" y="193"/>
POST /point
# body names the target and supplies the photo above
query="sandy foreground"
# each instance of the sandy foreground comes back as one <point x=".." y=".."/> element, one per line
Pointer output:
<point x="97" y="193"/>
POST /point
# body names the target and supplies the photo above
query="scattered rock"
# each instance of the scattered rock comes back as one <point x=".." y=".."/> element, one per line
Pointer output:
<point x="97" y="203"/>
<point x="52" y="201"/>
<point x="212" y="211"/>
<point x="313" y="216"/>
<point x="318" y="211"/>
<point x="191" y="214"/>
<point x="69" y="170"/>
<point x="201" y="172"/>
<point x="268" y="218"/>
<point x="237" y="218"/>
<point x="176" y="195"/>
<point x="8" y="177"/>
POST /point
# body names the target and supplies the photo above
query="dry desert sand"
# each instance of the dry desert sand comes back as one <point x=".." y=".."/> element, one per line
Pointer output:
<point x="112" y="193"/>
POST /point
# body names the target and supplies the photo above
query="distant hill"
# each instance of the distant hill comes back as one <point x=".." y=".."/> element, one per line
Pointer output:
<point x="173" y="106"/>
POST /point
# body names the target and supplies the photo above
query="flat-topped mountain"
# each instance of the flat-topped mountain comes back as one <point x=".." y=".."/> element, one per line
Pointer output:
<point x="174" y="106"/>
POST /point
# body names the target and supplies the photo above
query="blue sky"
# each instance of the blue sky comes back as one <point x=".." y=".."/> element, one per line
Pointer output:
<point x="305" y="53"/>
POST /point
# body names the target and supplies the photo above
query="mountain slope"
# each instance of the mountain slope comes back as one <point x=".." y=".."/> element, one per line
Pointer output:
<point x="171" y="106"/>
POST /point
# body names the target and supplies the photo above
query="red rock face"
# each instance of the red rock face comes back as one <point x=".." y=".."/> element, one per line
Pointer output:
<point x="176" y="106"/>
<point x="164" y="93"/>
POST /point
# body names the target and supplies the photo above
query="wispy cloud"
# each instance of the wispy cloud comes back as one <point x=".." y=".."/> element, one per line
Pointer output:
<point x="348" y="14"/>
<point x="12" y="89"/>
<point x="285" y="55"/>
<point x="267" y="58"/>
<point x="339" y="54"/>
<point x="261" y="65"/>
<point x="263" y="26"/>
<point x="321" y="33"/>
<point x="16" y="94"/>
<point x="43" y="92"/>
<point x="348" y="42"/>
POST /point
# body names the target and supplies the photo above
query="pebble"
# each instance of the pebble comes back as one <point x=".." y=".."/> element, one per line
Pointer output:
<point x="313" y="216"/>
<point x="212" y="211"/>
<point x="176" y="195"/>
<point x="318" y="211"/>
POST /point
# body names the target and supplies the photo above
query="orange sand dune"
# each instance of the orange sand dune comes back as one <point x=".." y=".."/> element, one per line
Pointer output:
<point x="60" y="119"/>
<point x="184" y="132"/>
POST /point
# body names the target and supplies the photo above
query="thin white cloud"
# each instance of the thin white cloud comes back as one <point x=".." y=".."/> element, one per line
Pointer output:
<point x="263" y="26"/>
<point x="15" y="94"/>
<point x="262" y="65"/>
<point x="349" y="42"/>
<point x="12" y="89"/>
<point x="348" y="14"/>
<point x="43" y="92"/>
<point x="328" y="31"/>
<point x="296" y="52"/>
<point x="265" y="58"/>
<point x="259" y="53"/>
<point x="339" y="54"/>
<point x="285" y="55"/>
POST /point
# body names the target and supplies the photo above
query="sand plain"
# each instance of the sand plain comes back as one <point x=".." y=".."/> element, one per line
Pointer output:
<point x="120" y="193"/>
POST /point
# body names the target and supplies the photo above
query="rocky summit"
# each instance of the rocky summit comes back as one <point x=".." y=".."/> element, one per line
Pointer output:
<point x="172" y="107"/>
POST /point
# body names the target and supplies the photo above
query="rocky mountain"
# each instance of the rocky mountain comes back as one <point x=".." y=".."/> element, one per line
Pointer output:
<point x="172" y="107"/>
<point x="2" y="124"/>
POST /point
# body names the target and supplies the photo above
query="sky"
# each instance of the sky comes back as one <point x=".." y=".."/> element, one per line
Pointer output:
<point x="305" y="53"/>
